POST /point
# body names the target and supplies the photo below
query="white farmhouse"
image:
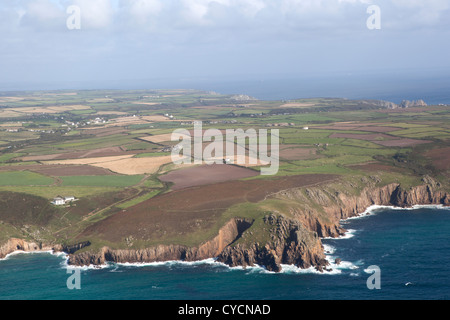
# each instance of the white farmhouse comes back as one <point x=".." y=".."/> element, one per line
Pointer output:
<point x="58" y="201"/>
<point x="61" y="201"/>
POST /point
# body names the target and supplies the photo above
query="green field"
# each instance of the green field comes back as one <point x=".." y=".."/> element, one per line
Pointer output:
<point x="138" y="200"/>
<point x="152" y="154"/>
<point x="24" y="178"/>
<point x="8" y="156"/>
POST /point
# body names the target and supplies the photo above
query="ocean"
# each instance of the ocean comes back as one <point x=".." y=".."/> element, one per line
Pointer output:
<point x="393" y="87"/>
<point x="433" y="90"/>
<point x="411" y="248"/>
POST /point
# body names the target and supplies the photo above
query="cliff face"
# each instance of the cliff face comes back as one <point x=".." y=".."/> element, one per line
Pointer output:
<point x="227" y="234"/>
<point x="297" y="240"/>
<point x="289" y="243"/>
<point x="21" y="245"/>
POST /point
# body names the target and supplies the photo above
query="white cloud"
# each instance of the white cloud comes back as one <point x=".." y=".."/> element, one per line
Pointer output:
<point x="172" y="15"/>
<point x="417" y="13"/>
<point x="41" y="15"/>
<point x="143" y="10"/>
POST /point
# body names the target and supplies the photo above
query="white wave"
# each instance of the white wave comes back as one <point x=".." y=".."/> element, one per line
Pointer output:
<point x="65" y="264"/>
<point x="372" y="210"/>
<point x="430" y="206"/>
<point x="291" y="269"/>
<point x="21" y="252"/>
<point x="329" y="249"/>
<point x="349" y="234"/>
<point x="86" y="268"/>
<point x="376" y="208"/>
<point x="211" y="262"/>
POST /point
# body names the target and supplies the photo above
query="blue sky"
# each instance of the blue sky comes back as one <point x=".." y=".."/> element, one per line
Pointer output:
<point x="124" y="41"/>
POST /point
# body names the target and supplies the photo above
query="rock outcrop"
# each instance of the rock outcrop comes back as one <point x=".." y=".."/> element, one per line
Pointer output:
<point x="297" y="241"/>
<point x="391" y="105"/>
<point x="227" y="235"/>
<point x="383" y="104"/>
<point x="290" y="243"/>
<point x="412" y="104"/>
<point x="14" y="245"/>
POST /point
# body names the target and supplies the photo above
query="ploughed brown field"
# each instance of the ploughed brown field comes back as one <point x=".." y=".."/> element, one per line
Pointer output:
<point x="62" y="170"/>
<point x="104" y="132"/>
<point x="440" y="158"/>
<point x="206" y="174"/>
<point x="293" y="152"/>
<point x="179" y="213"/>
<point x="402" y="142"/>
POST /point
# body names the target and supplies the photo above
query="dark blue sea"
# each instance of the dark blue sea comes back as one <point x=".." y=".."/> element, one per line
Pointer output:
<point x="410" y="247"/>
<point x="392" y="87"/>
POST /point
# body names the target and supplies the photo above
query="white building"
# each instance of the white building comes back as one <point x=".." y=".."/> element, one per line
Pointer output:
<point x="58" y="201"/>
<point x="61" y="201"/>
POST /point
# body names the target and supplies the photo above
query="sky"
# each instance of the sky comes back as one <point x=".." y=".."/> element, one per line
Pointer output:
<point x="124" y="43"/>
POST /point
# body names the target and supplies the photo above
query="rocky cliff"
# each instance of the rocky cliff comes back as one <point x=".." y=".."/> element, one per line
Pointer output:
<point x="296" y="240"/>
<point x="390" y="105"/>
<point x="289" y="242"/>
<point x="227" y="235"/>
<point x="412" y="104"/>
<point x="14" y="245"/>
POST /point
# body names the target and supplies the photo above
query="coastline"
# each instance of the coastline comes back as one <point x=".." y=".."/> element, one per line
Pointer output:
<point x="294" y="240"/>
<point x="333" y="268"/>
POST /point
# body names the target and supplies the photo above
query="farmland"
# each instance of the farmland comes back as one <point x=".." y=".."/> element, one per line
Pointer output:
<point x="112" y="150"/>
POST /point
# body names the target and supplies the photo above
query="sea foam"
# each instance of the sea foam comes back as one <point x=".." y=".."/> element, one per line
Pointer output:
<point x="20" y="252"/>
